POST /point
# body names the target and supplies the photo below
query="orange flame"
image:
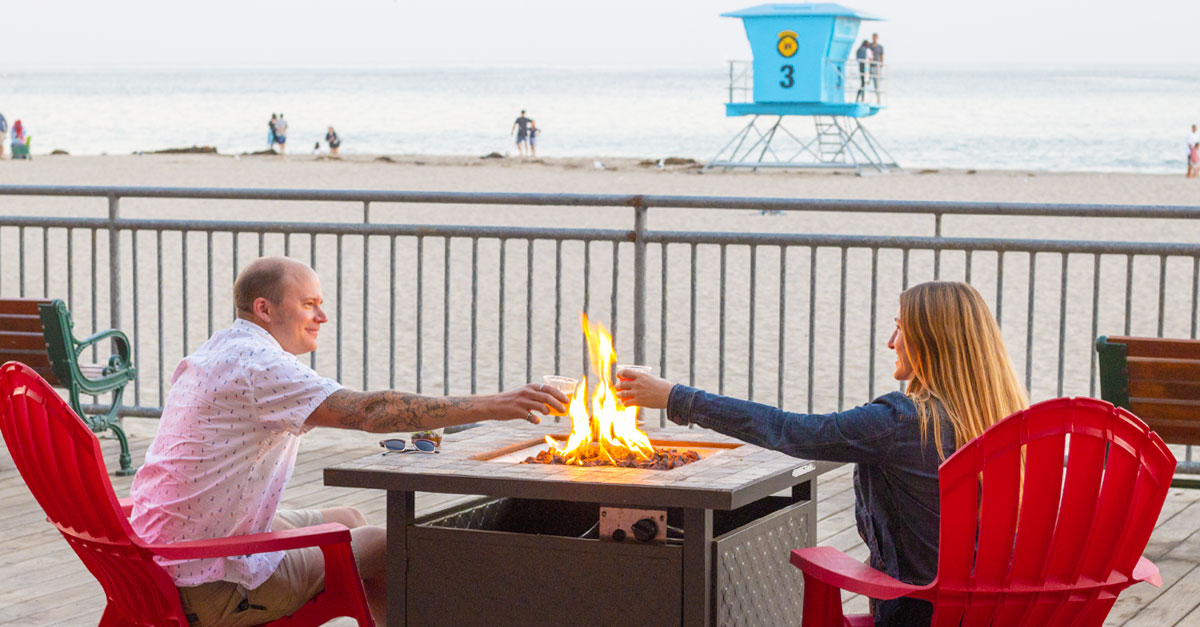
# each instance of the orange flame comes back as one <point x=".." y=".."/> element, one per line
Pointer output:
<point x="606" y="428"/>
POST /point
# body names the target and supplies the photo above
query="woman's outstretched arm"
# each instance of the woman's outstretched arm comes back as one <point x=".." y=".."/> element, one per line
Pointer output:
<point x="859" y="435"/>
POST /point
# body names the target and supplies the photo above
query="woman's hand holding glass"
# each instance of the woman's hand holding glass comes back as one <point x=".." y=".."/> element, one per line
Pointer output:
<point x="642" y="389"/>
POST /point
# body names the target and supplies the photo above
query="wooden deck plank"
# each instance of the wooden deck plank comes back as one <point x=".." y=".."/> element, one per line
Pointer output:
<point x="1191" y="619"/>
<point x="1134" y="600"/>
<point x="56" y="588"/>
<point x="1170" y="607"/>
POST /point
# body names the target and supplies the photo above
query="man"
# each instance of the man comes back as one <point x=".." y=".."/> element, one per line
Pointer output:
<point x="876" y="65"/>
<point x="281" y="133"/>
<point x="227" y="441"/>
<point x="1193" y="138"/>
<point x="521" y="128"/>
<point x="3" y="133"/>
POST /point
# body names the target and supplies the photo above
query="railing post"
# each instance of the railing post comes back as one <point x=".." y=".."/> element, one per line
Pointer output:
<point x="731" y="80"/>
<point x="937" y="254"/>
<point x="114" y="264"/>
<point x="639" y="283"/>
<point x="366" y="337"/>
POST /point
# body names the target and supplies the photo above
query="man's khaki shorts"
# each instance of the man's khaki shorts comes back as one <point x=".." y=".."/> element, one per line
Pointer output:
<point x="299" y="577"/>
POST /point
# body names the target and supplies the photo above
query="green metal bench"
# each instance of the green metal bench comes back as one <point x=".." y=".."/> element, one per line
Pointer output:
<point x="37" y="332"/>
<point x="1158" y="379"/>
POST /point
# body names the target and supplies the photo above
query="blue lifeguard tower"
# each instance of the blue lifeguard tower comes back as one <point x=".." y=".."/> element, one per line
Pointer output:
<point x="802" y="67"/>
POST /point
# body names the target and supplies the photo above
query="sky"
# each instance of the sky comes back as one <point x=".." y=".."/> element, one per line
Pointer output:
<point x="917" y="33"/>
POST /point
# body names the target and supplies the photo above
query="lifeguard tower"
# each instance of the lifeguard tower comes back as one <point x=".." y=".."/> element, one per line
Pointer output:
<point x="802" y="67"/>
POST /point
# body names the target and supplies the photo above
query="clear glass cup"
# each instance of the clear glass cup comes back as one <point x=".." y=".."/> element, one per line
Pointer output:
<point x="636" y="368"/>
<point x="641" y="370"/>
<point x="566" y="385"/>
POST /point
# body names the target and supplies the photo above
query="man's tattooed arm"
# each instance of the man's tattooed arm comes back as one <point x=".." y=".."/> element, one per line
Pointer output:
<point x="390" y="411"/>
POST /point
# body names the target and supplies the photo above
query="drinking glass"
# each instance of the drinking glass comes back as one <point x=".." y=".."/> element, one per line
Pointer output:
<point x="566" y="385"/>
<point x="636" y="368"/>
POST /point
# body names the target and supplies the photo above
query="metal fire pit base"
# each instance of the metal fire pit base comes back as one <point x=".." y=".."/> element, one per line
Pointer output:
<point x="521" y="562"/>
<point x="518" y="558"/>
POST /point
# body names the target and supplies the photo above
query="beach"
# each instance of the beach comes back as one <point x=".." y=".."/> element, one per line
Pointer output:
<point x="581" y="175"/>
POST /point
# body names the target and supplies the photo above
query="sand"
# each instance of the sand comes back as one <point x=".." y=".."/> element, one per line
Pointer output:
<point x="619" y="176"/>
<point x="471" y="173"/>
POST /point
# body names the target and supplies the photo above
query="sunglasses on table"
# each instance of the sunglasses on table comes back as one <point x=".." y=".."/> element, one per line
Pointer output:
<point x="398" y="445"/>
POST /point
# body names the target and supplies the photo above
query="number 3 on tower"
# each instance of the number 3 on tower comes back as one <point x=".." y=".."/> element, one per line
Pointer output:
<point x="787" y="81"/>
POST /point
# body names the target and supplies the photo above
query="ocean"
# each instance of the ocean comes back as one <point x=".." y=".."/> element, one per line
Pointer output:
<point x="1108" y="120"/>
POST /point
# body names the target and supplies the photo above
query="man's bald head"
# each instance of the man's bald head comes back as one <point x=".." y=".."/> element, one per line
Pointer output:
<point x="266" y="277"/>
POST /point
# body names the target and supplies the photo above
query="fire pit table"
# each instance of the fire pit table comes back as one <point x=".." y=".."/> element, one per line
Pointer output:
<point x="706" y="543"/>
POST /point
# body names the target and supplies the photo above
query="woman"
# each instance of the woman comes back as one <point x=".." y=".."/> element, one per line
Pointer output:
<point x="334" y="141"/>
<point x="960" y="382"/>
<point x="864" y="59"/>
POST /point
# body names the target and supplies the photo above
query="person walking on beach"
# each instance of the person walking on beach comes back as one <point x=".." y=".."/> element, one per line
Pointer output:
<point x="521" y="128"/>
<point x="864" y="64"/>
<point x="331" y="137"/>
<point x="533" y="133"/>
<point x="1193" y="139"/>
<point x="3" y="133"/>
<point x="20" y="146"/>
<point x="271" y="133"/>
<point x="876" y="65"/>
<point x="227" y="442"/>
<point x="281" y="127"/>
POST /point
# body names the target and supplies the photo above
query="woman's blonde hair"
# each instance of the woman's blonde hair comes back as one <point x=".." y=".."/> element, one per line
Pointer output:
<point x="958" y="361"/>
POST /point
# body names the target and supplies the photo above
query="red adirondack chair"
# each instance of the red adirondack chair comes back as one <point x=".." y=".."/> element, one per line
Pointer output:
<point x="1056" y="551"/>
<point x="59" y="458"/>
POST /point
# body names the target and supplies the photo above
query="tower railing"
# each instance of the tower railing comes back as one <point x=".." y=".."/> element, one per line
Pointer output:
<point x="741" y="81"/>
<point x="863" y="81"/>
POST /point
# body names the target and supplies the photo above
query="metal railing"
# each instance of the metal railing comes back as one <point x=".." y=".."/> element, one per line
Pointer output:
<point x="864" y="81"/>
<point x="732" y="304"/>
<point x="741" y="81"/>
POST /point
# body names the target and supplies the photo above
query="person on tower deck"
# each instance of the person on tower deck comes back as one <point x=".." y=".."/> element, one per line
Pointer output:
<point x="876" y="65"/>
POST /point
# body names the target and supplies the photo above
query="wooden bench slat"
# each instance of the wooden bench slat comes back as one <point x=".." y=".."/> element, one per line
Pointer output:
<point x="19" y="340"/>
<point x="46" y="373"/>
<point x="1177" y="390"/>
<point x="20" y="323"/>
<point x="40" y="363"/>
<point x="1162" y="369"/>
<point x="33" y="359"/>
<point x="25" y="306"/>
<point x="92" y="371"/>
<point x="1158" y="347"/>
<point x="1175" y="421"/>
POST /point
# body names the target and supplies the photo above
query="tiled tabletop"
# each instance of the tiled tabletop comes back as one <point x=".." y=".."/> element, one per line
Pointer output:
<point x="737" y="474"/>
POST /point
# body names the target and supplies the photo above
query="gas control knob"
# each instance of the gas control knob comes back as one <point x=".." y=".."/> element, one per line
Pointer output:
<point x="645" y="530"/>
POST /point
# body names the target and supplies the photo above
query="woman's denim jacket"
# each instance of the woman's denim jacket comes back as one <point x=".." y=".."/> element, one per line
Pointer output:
<point x="895" y="473"/>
